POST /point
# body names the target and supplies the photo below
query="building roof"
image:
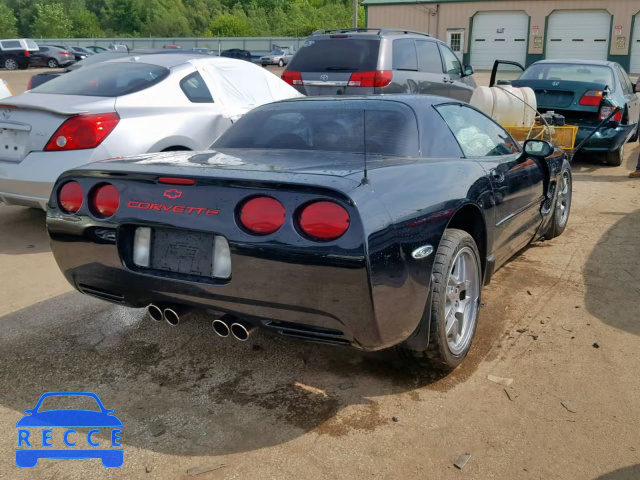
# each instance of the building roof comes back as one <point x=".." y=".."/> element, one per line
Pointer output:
<point x="368" y="3"/>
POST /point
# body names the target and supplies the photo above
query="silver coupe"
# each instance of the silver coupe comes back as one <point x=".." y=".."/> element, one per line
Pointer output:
<point x="126" y="106"/>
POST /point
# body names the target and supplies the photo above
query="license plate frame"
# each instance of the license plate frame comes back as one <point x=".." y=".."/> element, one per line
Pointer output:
<point x="13" y="143"/>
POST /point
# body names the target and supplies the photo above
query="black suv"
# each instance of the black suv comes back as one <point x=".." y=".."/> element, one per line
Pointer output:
<point x="364" y="61"/>
<point x="18" y="53"/>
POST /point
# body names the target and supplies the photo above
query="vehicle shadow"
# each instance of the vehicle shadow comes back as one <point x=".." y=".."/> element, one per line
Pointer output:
<point x="627" y="473"/>
<point x="185" y="391"/>
<point x="615" y="256"/>
<point x="584" y="164"/>
<point x="22" y="230"/>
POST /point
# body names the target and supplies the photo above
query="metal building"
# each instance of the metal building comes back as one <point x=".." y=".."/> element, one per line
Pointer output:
<point x="522" y="30"/>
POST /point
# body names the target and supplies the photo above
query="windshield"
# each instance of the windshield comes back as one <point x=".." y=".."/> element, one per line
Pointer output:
<point x="65" y="402"/>
<point x="389" y="128"/>
<point x="570" y="72"/>
<point x="337" y="54"/>
<point x="106" y="80"/>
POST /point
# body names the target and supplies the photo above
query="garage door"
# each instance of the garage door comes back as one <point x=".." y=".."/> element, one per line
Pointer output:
<point x="578" y="34"/>
<point x="635" y="46"/>
<point x="498" y="35"/>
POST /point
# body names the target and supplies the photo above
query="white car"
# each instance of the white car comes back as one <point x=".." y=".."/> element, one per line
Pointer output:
<point x="126" y="106"/>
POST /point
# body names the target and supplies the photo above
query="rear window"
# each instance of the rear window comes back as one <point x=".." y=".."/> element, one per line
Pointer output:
<point x="337" y="54"/>
<point x="389" y="128"/>
<point x="11" y="44"/>
<point x="106" y="80"/>
<point x="577" y="73"/>
<point x="31" y="45"/>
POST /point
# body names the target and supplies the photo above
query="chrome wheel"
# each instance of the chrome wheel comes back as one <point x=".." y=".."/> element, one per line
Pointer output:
<point x="461" y="302"/>
<point x="10" y="64"/>
<point x="53" y="63"/>
<point x="564" y="199"/>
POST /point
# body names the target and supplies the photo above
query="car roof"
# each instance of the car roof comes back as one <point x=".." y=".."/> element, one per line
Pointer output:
<point x="576" y="62"/>
<point x="167" y="60"/>
<point x="415" y="101"/>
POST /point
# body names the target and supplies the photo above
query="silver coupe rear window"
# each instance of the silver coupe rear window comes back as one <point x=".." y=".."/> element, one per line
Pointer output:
<point x="106" y="80"/>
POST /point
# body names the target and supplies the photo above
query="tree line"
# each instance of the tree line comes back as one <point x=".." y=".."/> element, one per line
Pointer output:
<point x="171" y="18"/>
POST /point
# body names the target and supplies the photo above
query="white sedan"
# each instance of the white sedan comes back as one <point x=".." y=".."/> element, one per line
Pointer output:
<point x="127" y="106"/>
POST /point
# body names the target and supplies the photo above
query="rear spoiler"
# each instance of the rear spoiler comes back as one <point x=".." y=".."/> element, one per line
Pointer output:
<point x="43" y="108"/>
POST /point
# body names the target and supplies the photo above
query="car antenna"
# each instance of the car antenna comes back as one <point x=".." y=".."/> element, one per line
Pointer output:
<point x="365" y="179"/>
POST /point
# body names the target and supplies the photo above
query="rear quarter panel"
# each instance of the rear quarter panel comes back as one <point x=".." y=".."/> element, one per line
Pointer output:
<point x="405" y="207"/>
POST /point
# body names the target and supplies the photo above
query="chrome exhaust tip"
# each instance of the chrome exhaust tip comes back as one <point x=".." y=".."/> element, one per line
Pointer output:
<point x="155" y="312"/>
<point x="242" y="330"/>
<point x="172" y="315"/>
<point x="221" y="327"/>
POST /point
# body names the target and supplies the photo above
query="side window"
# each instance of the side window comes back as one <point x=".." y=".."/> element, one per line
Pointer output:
<point x="195" y="89"/>
<point x="452" y="65"/>
<point x="627" y="87"/>
<point x="478" y="135"/>
<point x="404" y="55"/>
<point x="44" y="49"/>
<point x="429" y="59"/>
<point x="11" y="44"/>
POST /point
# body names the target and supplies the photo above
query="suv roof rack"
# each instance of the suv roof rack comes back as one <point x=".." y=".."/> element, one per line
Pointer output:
<point x="381" y="31"/>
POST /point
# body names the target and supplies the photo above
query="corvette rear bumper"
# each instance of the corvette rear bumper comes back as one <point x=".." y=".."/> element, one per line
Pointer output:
<point x="309" y="296"/>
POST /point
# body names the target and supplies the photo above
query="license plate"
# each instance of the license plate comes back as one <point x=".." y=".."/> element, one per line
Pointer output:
<point x="12" y="143"/>
<point x="182" y="251"/>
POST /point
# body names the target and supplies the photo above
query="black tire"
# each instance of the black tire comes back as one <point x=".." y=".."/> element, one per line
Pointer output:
<point x="52" y="63"/>
<point x="438" y="354"/>
<point x="281" y="63"/>
<point x="614" y="159"/>
<point x="562" y="207"/>
<point x="11" y="63"/>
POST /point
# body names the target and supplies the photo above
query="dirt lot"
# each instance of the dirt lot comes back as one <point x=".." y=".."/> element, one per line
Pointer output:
<point x="561" y="320"/>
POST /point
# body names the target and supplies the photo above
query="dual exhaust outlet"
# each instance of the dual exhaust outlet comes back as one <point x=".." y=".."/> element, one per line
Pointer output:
<point x="225" y="326"/>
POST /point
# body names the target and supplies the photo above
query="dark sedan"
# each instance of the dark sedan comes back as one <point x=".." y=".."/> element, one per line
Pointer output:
<point x="586" y="92"/>
<point x="369" y="222"/>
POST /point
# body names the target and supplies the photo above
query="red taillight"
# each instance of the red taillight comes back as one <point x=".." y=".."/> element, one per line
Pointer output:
<point x="324" y="220"/>
<point x="83" y="131"/>
<point x="262" y="215"/>
<point x="592" y="98"/>
<point x="70" y="197"/>
<point x="176" y="181"/>
<point x="606" y="111"/>
<point x="105" y="200"/>
<point x="30" y="84"/>
<point x="381" y="78"/>
<point x="26" y="53"/>
<point x="65" y="53"/>
<point x="292" y="78"/>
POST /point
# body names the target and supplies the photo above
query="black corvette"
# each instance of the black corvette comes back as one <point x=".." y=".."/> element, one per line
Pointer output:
<point x="370" y="222"/>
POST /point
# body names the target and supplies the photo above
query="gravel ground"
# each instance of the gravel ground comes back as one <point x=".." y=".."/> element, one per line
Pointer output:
<point x="561" y="320"/>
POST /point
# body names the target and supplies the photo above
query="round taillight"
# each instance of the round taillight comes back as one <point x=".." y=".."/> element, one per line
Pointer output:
<point x="70" y="197"/>
<point x="262" y="215"/>
<point x="324" y="220"/>
<point x="105" y="200"/>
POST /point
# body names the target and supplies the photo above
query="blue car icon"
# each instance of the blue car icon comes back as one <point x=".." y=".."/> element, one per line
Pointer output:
<point x="68" y="418"/>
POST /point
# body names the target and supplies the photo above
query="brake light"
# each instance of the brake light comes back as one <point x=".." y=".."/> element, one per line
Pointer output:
<point x="324" y="220"/>
<point x="65" y="53"/>
<point x="262" y="215"/>
<point x="380" y="78"/>
<point x="70" y="197"/>
<point x="104" y="200"/>
<point x="292" y="78"/>
<point x="606" y="111"/>
<point x="176" y="181"/>
<point x="83" y="131"/>
<point x="592" y="98"/>
<point x="26" y="53"/>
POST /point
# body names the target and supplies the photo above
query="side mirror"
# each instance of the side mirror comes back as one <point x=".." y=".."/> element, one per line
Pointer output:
<point x="538" y="148"/>
<point x="468" y="70"/>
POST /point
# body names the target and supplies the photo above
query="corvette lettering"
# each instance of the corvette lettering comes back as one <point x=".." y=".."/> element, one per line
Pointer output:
<point x="173" y="208"/>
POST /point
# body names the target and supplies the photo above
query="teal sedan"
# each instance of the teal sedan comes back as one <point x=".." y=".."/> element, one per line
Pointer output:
<point x="586" y="92"/>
